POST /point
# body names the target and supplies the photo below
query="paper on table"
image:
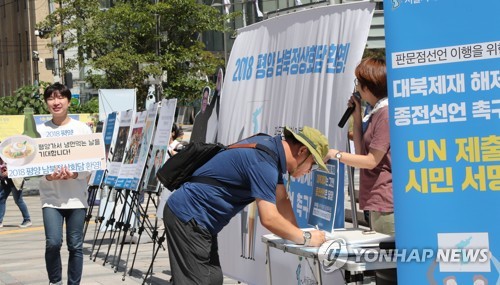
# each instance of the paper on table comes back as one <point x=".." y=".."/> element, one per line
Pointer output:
<point x="358" y="237"/>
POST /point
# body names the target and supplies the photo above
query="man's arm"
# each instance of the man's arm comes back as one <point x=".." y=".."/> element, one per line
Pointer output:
<point x="272" y="220"/>
<point x="284" y="204"/>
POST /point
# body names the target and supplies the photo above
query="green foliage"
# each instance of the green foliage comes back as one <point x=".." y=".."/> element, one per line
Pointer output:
<point x="91" y="106"/>
<point x="123" y="48"/>
<point x="26" y="96"/>
<point x="31" y="96"/>
<point x="375" y="52"/>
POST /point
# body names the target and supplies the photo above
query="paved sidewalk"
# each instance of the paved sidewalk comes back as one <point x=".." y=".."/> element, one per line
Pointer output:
<point x="22" y="250"/>
<point x="22" y="254"/>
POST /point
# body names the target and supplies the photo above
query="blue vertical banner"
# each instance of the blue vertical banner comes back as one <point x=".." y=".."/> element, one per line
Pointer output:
<point x="109" y="129"/>
<point x="443" y="60"/>
<point x="318" y="198"/>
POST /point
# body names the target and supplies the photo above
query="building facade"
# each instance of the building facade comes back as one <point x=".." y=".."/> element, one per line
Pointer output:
<point x="24" y="57"/>
<point x="252" y="11"/>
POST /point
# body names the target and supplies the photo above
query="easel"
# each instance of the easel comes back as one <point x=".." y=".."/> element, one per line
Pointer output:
<point x="136" y="208"/>
<point x="110" y="222"/>
<point x="93" y="191"/>
<point x="100" y="219"/>
<point x="123" y="223"/>
<point x="144" y="216"/>
<point x="157" y="240"/>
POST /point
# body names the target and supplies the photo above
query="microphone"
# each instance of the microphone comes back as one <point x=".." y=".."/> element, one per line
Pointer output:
<point x="346" y="116"/>
<point x="349" y="111"/>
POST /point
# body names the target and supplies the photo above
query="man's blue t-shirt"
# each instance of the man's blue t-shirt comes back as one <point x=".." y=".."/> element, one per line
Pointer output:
<point x="255" y="171"/>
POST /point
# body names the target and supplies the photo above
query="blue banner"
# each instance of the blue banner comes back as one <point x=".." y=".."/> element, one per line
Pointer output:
<point x="108" y="135"/>
<point x="443" y="59"/>
<point x="327" y="207"/>
<point x="318" y="198"/>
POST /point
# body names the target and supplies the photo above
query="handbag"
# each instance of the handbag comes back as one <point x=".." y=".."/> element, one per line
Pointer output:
<point x="18" y="183"/>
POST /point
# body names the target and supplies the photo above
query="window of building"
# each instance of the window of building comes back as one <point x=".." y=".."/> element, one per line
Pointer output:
<point x="20" y="44"/>
<point x="5" y="52"/>
<point x="27" y="46"/>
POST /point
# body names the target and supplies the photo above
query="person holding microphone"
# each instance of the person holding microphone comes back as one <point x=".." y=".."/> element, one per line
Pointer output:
<point x="372" y="145"/>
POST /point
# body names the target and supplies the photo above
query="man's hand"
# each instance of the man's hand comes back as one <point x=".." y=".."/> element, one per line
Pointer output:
<point x="272" y="220"/>
<point x="318" y="238"/>
<point x="61" y="174"/>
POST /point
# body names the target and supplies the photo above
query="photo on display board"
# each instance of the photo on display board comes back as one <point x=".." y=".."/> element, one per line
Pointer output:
<point x="161" y="141"/>
<point x="121" y="143"/>
<point x="156" y="161"/>
<point x="201" y="119"/>
<point x="133" y="151"/>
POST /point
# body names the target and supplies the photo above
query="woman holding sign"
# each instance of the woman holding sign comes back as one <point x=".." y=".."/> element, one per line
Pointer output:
<point x="63" y="193"/>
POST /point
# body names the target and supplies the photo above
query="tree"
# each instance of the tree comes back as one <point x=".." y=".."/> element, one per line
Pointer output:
<point x="26" y="96"/>
<point x="123" y="47"/>
<point x="91" y="107"/>
<point x="30" y="96"/>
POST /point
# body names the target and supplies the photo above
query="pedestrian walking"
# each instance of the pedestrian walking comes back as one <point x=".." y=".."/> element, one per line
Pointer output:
<point x="63" y="193"/>
<point x="14" y="186"/>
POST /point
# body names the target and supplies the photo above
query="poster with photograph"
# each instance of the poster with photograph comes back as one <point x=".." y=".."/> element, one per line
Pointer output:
<point x="200" y="126"/>
<point x="118" y="146"/>
<point x="161" y="142"/>
<point x="145" y="144"/>
<point x="131" y="157"/>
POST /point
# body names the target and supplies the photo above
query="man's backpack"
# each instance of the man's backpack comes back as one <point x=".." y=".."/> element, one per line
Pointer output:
<point x="179" y="168"/>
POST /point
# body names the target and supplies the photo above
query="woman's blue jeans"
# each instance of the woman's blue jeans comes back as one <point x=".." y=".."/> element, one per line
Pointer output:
<point x="53" y="220"/>
<point x="5" y="190"/>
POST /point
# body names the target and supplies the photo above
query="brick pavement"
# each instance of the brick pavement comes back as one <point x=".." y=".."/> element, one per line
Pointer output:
<point x="22" y="254"/>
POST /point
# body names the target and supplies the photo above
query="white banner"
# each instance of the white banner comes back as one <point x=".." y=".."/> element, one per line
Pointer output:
<point x="116" y="100"/>
<point x="293" y="70"/>
<point x="26" y="156"/>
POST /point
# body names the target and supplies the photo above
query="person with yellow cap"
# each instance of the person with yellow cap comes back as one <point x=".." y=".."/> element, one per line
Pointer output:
<point x="196" y="212"/>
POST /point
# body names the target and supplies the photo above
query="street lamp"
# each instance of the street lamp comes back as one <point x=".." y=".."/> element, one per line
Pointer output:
<point x="36" y="73"/>
<point x="60" y="59"/>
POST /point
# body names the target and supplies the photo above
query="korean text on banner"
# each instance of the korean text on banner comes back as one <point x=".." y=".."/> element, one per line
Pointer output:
<point x="78" y="153"/>
<point x="444" y="102"/>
